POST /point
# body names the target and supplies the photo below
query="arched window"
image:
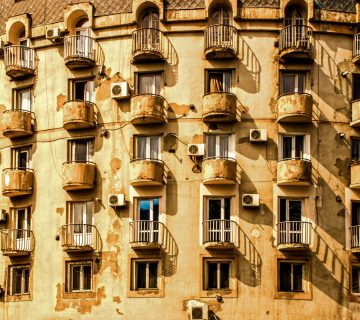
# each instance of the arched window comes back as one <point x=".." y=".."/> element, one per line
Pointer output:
<point x="150" y="34"/>
<point x="84" y="45"/>
<point x="82" y="27"/>
<point x="150" y="19"/>
<point x="220" y="16"/>
<point x="294" y="16"/>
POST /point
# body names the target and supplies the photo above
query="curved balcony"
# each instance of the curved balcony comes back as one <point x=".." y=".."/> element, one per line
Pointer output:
<point x="293" y="235"/>
<point x="148" y="44"/>
<point x="294" y="172"/>
<point x="147" y="109"/>
<point x="146" y="172"/>
<point x="219" y="107"/>
<point x="355" y="175"/>
<point x="80" y="237"/>
<point x="78" y="114"/>
<point x="356" y="48"/>
<point x="355" y="114"/>
<point x="80" y="51"/>
<point x="294" y="107"/>
<point x="219" y="170"/>
<point x="17" y="242"/>
<point x="19" y="61"/>
<point x="18" y="123"/>
<point x="220" y="234"/>
<point x="17" y="182"/>
<point x="78" y="175"/>
<point x="221" y="42"/>
<point x="296" y="42"/>
<point x="145" y="234"/>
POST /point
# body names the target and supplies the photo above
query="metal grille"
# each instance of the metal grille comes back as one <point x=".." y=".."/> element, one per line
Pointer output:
<point x="260" y="3"/>
<point x="336" y="5"/>
<point x="184" y="4"/>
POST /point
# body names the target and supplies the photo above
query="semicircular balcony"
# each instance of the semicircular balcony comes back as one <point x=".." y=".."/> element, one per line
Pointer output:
<point x="17" y="181"/>
<point x="220" y="234"/>
<point x="146" y="172"/>
<point x="356" y="49"/>
<point x="221" y="42"/>
<point x="78" y="114"/>
<point x="355" y="175"/>
<point x="219" y="107"/>
<point x="18" y="123"/>
<point x="148" y="44"/>
<point x="293" y="235"/>
<point x="295" y="172"/>
<point x="355" y="114"/>
<point x="147" y="109"/>
<point x="294" y="107"/>
<point x="17" y="242"/>
<point x="219" y="170"/>
<point x="146" y="234"/>
<point x="78" y="175"/>
<point x="80" y="51"/>
<point x="296" y="42"/>
<point x="19" y="61"/>
<point x="80" y="238"/>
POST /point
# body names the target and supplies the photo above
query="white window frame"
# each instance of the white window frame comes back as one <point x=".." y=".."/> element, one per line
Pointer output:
<point x="89" y="149"/>
<point x="304" y="265"/>
<point x="69" y="274"/>
<point x="16" y="152"/>
<point x="306" y="144"/>
<point x="23" y="279"/>
<point x="218" y="274"/>
<point x="89" y="91"/>
<point x="21" y="103"/>
<point x="222" y="212"/>
<point x="225" y="73"/>
<point x="134" y="273"/>
<point x="287" y="212"/>
<point x="231" y="145"/>
<point x="147" y="148"/>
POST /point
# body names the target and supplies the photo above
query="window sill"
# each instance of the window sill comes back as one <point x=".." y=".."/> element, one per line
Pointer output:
<point x="225" y="293"/>
<point x="79" y="295"/>
<point x="18" y="297"/>
<point x="146" y="293"/>
<point x="293" y="295"/>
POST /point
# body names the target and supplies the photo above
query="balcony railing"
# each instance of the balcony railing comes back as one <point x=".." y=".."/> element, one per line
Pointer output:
<point x="221" y="41"/>
<point x="220" y="232"/>
<point x="296" y="41"/>
<point x="81" y="237"/>
<point x="78" y="114"/>
<point x="294" y="107"/>
<point x="78" y="175"/>
<point x="146" y="172"/>
<point x="18" y="123"/>
<point x="148" y="43"/>
<point x="146" y="234"/>
<point x="147" y="108"/>
<point x="17" y="241"/>
<point x="294" y="171"/>
<point x="219" y="107"/>
<point x="219" y="170"/>
<point x="355" y="237"/>
<point x="19" y="61"/>
<point x="17" y="181"/>
<point x="356" y="47"/>
<point x="294" y="233"/>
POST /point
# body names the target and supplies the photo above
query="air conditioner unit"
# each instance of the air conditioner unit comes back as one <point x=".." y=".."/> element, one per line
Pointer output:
<point x="116" y="200"/>
<point x="196" y="149"/>
<point x="120" y="90"/>
<point x="258" y="135"/>
<point x="3" y="215"/>
<point x="198" y="312"/>
<point x="250" y="200"/>
<point x="53" y="33"/>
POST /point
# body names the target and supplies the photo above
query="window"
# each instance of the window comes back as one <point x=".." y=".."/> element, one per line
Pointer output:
<point x="290" y="209"/>
<point x="217" y="275"/>
<point x="146" y="228"/>
<point x="220" y="146"/>
<point x="356" y="87"/>
<point x="145" y="274"/>
<point x="355" y="279"/>
<point x="82" y="90"/>
<point x="218" y="81"/>
<point x="294" y="16"/>
<point x="79" y="276"/>
<point x="19" y="280"/>
<point x="294" y="147"/>
<point x="217" y="220"/>
<point x="20" y="236"/>
<point x="291" y="276"/>
<point x="292" y="82"/>
<point x="220" y="16"/>
<point x="355" y="149"/>
<point x="23" y="99"/>
<point x="149" y="83"/>
<point x="80" y="221"/>
<point x="81" y="150"/>
<point x="147" y="147"/>
<point x="21" y="158"/>
<point x="355" y="224"/>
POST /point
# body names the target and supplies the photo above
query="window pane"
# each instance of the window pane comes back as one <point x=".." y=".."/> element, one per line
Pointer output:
<point x="154" y="147"/>
<point x="75" y="277"/>
<point x="216" y="82"/>
<point x="287" y="147"/>
<point x="355" y="213"/>
<point x="214" y="209"/>
<point x="80" y="150"/>
<point x="87" y="278"/>
<point x="17" y="276"/>
<point x="287" y="83"/>
<point x="356" y="86"/>
<point x="144" y="206"/>
<point x="301" y="82"/>
<point x="224" y="275"/>
<point x="224" y="146"/>
<point x="295" y="210"/>
<point x="227" y="202"/>
<point x="355" y="287"/>
<point x="299" y="147"/>
<point x="153" y="270"/>
<point x="141" y="275"/>
<point x="141" y="148"/>
<point x="282" y="210"/>
<point x="285" y="276"/>
<point x="79" y="88"/>
<point x="297" y="277"/>
<point x="24" y="100"/>
<point x="22" y="159"/>
<point x="355" y="149"/>
<point x="26" y="280"/>
<point x="211" y="146"/>
<point x="156" y="209"/>
<point x="212" y="275"/>
<point x="149" y="83"/>
<point x="227" y="81"/>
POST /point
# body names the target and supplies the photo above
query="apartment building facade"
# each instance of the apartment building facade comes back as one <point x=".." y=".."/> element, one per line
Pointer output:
<point x="180" y="159"/>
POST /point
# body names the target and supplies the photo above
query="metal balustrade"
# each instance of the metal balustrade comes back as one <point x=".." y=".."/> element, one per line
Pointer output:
<point x="356" y="45"/>
<point x="294" y="232"/>
<point x="19" y="57"/>
<point x="296" y="37"/>
<point x="355" y="236"/>
<point x="17" y="241"/>
<point x="81" y="237"/>
<point x="145" y="231"/>
<point x="147" y="39"/>
<point x="221" y="37"/>
<point x="220" y="231"/>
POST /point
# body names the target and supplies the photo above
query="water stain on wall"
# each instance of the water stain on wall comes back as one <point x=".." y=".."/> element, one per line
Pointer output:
<point x="110" y="260"/>
<point x="60" y="100"/>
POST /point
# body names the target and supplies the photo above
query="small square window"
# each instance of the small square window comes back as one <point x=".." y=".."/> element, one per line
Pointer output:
<point x="21" y="158"/>
<point x="147" y="147"/>
<point x="292" y="82"/>
<point x="19" y="280"/>
<point x="291" y="275"/>
<point x="294" y="147"/>
<point x="79" y="276"/>
<point x="81" y="150"/>
<point x="218" y="81"/>
<point x="355" y="149"/>
<point x="148" y="83"/>
<point x="145" y="275"/>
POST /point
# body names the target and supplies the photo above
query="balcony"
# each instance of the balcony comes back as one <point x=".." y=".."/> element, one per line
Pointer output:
<point x="294" y="172"/>
<point x="294" y="107"/>
<point x="355" y="175"/>
<point x="148" y="44"/>
<point x="17" y="182"/>
<point x="19" y="61"/>
<point x="78" y="175"/>
<point x="296" y="43"/>
<point x="356" y="49"/>
<point x="146" y="234"/>
<point x="220" y="234"/>
<point x="80" y="51"/>
<point x="355" y="114"/>
<point x="219" y="170"/>
<point x="80" y="238"/>
<point x="17" y="242"/>
<point x="293" y="235"/>
<point x="146" y="172"/>
<point x="78" y="114"/>
<point x="355" y="239"/>
<point x="147" y="109"/>
<point x="221" y="42"/>
<point x="18" y="123"/>
<point x="219" y="107"/>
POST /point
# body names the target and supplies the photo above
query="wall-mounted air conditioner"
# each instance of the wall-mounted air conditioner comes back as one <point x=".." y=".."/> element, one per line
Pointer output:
<point x="258" y="135"/>
<point x="196" y="149"/>
<point x="120" y="90"/>
<point x="53" y="34"/>
<point x="198" y="312"/>
<point x="116" y="200"/>
<point x="250" y="200"/>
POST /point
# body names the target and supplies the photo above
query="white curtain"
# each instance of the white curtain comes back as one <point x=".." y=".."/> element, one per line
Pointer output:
<point x="224" y="146"/>
<point x="141" y="148"/>
<point x="154" y="147"/>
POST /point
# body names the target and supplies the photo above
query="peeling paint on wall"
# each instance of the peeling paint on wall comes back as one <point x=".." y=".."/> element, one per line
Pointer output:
<point x="60" y="100"/>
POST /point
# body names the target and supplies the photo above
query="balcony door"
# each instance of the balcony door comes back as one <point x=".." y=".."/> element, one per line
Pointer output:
<point x="295" y="18"/>
<point x="355" y="224"/>
<point x="25" y="55"/>
<point x="148" y="217"/>
<point x="81" y="219"/>
<point x="290" y="221"/>
<point x="22" y="158"/>
<point x="83" y="44"/>
<point x="149" y="83"/>
<point x="83" y="90"/>
<point x="23" y="227"/>
<point x="218" y="220"/>
<point x="220" y="19"/>
<point x="150" y="34"/>
<point x="23" y="99"/>
<point x="217" y="146"/>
